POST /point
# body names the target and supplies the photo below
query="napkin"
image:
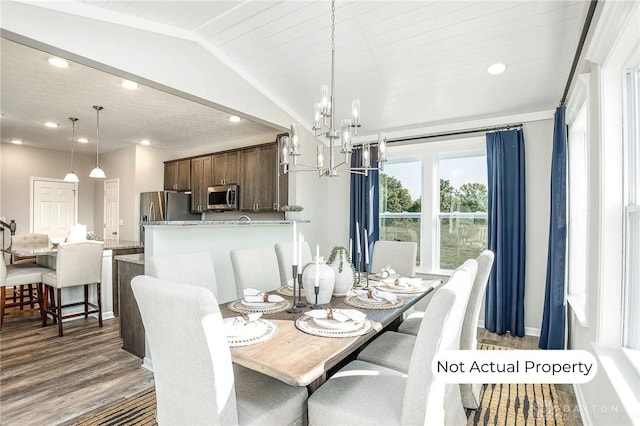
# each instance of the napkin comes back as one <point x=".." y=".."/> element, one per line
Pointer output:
<point x="252" y="295"/>
<point x="379" y="295"/>
<point x="403" y="282"/>
<point x="387" y="271"/>
<point x="235" y="324"/>
<point x="340" y="315"/>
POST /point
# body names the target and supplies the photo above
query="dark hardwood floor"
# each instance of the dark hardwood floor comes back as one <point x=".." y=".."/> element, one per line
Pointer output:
<point x="51" y="380"/>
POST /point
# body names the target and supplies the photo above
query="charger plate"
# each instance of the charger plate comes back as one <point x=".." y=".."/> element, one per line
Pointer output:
<point x="357" y="303"/>
<point x="307" y="324"/>
<point x="264" y="331"/>
<point x="270" y="308"/>
<point x="400" y="289"/>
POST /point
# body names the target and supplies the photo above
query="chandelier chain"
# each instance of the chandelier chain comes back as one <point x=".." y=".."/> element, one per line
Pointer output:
<point x="333" y="25"/>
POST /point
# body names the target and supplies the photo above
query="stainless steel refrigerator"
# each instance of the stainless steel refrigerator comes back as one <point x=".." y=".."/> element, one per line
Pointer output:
<point x="165" y="206"/>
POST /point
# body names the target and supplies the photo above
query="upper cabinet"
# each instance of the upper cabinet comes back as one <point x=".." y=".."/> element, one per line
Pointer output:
<point x="177" y="175"/>
<point x="225" y="168"/>
<point x="259" y="178"/>
<point x="201" y="179"/>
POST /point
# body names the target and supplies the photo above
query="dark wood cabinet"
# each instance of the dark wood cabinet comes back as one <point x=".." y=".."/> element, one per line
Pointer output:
<point x="177" y="175"/>
<point x="201" y="179"/>
<point x="225" y="168"/>
<point x="131" y="327"/>
<point x="258" y="169"/>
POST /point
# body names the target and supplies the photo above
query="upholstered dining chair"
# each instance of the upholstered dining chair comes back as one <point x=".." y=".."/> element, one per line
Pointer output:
<point x="365" y="393"/>
<point x="255" y="267"/>
<point x="187" y="268"/>
<point x="26" y="243"/>
<point x="18" y="276"/>
<point x="399" y="255"/>
<point x="195" y="380"/>
<point x="393" y="349"/>
<point x="284" y="253"/>
<point x="77" y="264"/>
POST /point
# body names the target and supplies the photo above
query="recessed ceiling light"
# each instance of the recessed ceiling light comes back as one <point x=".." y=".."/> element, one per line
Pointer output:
<point x="82" y="140"/>
<point x="128" y="84"/>
<point x="496" y="69"/>
<point x="51" y="124"/>
<point x="234" y="119"/>
<point x="59" y="62"/>
<point x="16" y="141"/>
<point x="145" y="142"/>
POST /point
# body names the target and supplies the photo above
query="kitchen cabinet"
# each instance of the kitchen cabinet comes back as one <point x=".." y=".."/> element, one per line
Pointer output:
<point x="177" y="175"/>
<point x="225" y="168"/>
<point x="131" y="327"/>
<point x="259" y="171"/>
<point x="201" y="179"/>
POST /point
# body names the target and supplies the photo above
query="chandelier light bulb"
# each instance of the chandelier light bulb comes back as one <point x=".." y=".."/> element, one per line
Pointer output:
<point x="355" y="111"/>
<point x="284" y="150"/>
<point x="294" y="139"/>
<point x="317" y="115"/>
<point x="320" y="155"/>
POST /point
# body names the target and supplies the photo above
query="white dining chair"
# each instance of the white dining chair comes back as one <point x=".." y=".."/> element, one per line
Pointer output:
<point x="284" y="253"/>
<point x="194" y="378"/>
<point x="255" y="267"/>
<point x="399" y="255"/>
<point x="393" y="349"/>
<point x="365" y="393"/>
<point x="186" y="268"/>
<point x="77" y="264"/>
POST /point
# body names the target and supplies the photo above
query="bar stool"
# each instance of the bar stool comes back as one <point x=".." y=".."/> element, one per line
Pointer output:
<point x="19" y="276"/>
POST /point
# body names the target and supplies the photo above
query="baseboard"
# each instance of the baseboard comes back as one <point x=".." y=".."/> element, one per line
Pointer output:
<point x="147" y="363"/>
<point x="529" y="331"/>
<point x="581" y="402"/>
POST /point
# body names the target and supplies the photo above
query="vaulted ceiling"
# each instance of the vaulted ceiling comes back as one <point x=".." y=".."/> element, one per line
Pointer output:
<point x="411" y="63"/>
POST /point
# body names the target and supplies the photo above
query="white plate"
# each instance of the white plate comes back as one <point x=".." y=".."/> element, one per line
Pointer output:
<point x="365" y="299"/>
<point x="334" y="324"/>
<point x="262" y="305"/>
<point x="234" y="328"/>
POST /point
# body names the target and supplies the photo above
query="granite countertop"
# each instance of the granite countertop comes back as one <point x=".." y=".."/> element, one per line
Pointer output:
<point x="223" y="222"/>
<point x="131" y="258"/>
<point x="52" y="250"/>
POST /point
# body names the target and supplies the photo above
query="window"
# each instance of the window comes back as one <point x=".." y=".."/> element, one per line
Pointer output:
<point x="435" y="193"/>
<point x="577" y="171"/>
<point x="631" y="282"/>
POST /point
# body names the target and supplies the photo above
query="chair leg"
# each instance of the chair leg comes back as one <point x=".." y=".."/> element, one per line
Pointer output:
<point x="41" y="300"/>
<point x="86" y="301"/>
<point x="59" y="308"/>
<point x="99" y="306"/>
<point x="21" y="296"/>
<point x="31" y="302"/>
<point x="3" y="297"/>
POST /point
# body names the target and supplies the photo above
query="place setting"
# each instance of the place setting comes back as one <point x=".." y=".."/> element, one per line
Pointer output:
<point x="259" y="301"/>
<point x="248" y="329"/>
<point x="372" y="298"/>
<point x="331" y="322"/>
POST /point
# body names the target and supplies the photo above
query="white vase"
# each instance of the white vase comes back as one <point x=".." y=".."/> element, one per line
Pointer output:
<point x="326" y="280"/>
<point x="344" y="278"/>
<point x="297" y="215"/>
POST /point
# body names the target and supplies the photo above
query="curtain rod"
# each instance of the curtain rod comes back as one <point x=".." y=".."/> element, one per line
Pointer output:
<point x="516" y="126"/>
<point x="576" y="58"/>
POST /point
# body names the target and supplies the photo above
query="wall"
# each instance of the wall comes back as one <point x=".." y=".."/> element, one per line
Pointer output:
<point x="20" y="163"/>
<point x="119" y="164"/>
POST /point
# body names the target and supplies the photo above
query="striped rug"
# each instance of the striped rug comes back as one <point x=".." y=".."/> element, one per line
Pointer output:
<point x="501" y="404"/>
<point x="516" y="404"/>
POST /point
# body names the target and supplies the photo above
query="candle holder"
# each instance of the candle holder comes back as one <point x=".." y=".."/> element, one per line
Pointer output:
<point x="294" y="309"/>
<point x="315" y="305"/>
<point x="366" y="274"/>
<point x="300" y="303"/>
<point x="359" y="266"/>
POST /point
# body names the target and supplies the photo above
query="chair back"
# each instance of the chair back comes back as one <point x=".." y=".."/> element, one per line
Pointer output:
<point x="79" y="263"/>
<point x="187" y="268"/>
<point x="3" y="271"/>
<point x="192" y="368"/>
<point x="284" y="253"/>
<point x="400" y="255"/>
<point x="255" y="268"/>
<point x="439" y="331"/>
<point x="27" y="243"/>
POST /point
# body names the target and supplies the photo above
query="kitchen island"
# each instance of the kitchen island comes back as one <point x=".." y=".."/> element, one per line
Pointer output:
<point x="217" y="238"/>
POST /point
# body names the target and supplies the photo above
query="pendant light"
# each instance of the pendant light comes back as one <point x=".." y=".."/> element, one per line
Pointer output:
<point x="71" y="176"/>
<point x="97" y="172"/>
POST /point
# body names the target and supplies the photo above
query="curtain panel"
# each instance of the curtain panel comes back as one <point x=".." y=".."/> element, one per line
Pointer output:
<point x="504" y="303"/>
<point x="365" y="206"/>
<point x="552" y="333"/>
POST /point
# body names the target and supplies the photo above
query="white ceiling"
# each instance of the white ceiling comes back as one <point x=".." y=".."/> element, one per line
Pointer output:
<point x="412" y="63"/>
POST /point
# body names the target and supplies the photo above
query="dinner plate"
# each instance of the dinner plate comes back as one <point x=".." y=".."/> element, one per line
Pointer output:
<point x="235" y="328"/>
<point x="332" y="324"/>
<point x="258" y="304"/>
<point x="365" y="299"/>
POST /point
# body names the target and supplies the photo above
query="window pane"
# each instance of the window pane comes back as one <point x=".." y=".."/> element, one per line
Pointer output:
<point x="632" y="289"/>
<point x="462" y="220"/>
<point x="400" y="202"/>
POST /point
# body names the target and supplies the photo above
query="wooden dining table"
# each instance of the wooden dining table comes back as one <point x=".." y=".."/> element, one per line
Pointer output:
<point x="302" y="359"/>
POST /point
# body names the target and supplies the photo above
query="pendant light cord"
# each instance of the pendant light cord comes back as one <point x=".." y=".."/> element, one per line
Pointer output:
<point x="73" y="137"/>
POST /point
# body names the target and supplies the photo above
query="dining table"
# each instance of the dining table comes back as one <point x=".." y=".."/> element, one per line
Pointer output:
<point x="302" y="359"/>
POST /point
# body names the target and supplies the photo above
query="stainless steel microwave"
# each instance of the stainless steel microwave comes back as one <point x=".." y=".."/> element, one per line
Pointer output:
<point x="223" y="197"/>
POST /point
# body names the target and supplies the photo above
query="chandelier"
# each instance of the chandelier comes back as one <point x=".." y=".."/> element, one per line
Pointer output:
<point x="324" y="125"/>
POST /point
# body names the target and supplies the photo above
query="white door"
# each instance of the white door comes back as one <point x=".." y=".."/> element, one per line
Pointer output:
<point x="53" y="206"/>
<point x="111" y="209"/>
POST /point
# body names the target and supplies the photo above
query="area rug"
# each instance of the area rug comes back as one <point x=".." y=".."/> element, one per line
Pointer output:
<point x="503" y="404"/>
<point x="516" y="404"/>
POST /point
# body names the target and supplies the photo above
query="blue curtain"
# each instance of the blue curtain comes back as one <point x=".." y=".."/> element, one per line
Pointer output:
<point x="553" y="320"/>
<point x="504" y="303"/>
<point x="365" y="206"/>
